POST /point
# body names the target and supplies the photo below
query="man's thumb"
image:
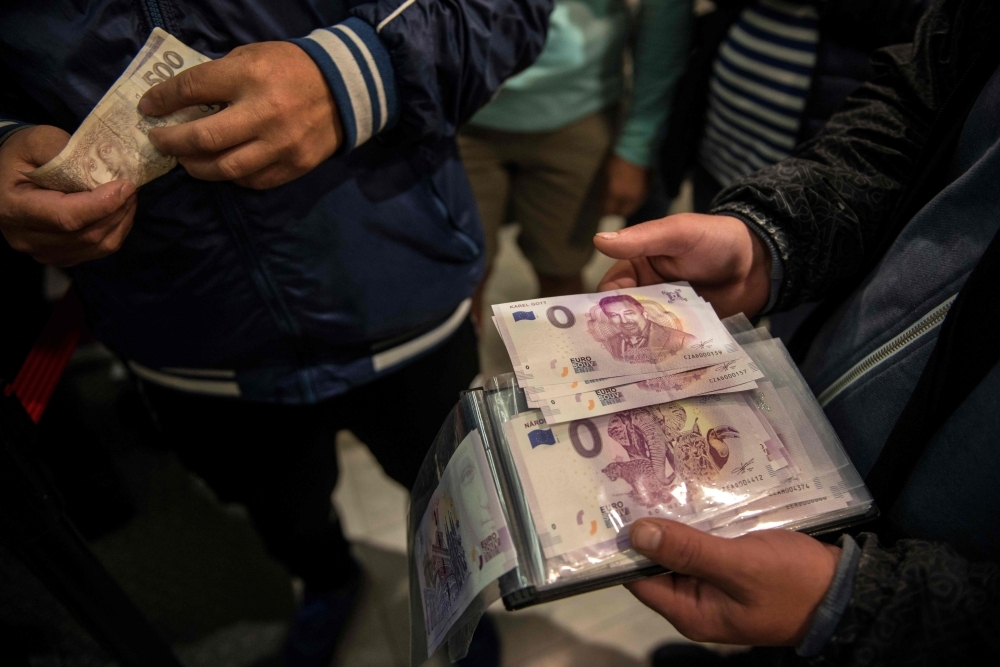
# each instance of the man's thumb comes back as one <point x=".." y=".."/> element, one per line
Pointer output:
<point x="685" y="550"/>
<point x="671" y="236"/>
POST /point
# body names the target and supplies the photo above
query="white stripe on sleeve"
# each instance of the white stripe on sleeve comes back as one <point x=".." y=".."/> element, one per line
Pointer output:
<point x="379" y="88"/>
<point x="353" y="79"/>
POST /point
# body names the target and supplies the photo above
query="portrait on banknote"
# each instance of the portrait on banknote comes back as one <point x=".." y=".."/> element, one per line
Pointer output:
<point x="675" y="382"/>
<point x="108" y="151"/>
<point x="112" y="143"/>
<point x="687" y="460"/>
<point x="637" y="331"/>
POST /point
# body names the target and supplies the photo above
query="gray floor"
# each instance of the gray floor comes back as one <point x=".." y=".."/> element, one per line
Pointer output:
<point x="199" y="572"/>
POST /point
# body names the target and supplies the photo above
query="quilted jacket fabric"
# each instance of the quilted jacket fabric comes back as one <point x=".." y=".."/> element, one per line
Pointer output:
<point x="288" y="294"/>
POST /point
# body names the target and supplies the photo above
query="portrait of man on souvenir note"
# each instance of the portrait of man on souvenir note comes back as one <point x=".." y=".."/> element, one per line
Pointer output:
<point x="637" y="332"/>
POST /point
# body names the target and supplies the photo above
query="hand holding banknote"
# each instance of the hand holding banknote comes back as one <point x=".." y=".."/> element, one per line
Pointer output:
<point x="280" y="121"/>
<point x="719" y="255"/>
<point x="761" y="589"/>
<point x="55" y="227"/>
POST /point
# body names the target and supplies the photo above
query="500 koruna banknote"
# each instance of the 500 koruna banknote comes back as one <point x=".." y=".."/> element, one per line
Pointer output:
<point x="112" y="141"/>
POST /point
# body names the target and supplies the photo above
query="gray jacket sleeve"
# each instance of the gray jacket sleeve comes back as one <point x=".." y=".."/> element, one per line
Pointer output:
<point x="918" y="603"/>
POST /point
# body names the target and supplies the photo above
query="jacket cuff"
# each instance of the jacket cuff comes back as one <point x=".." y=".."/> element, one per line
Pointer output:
<point x="831" y="609"/>
<point x="761" y="227"/>
<point x="9" y="127"/>
<point x="356" y="66"/>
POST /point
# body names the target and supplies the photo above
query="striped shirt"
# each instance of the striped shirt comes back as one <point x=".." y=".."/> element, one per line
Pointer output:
<point x="758" y="89"/>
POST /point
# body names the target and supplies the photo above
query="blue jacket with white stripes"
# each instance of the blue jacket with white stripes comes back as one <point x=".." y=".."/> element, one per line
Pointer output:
<point x="300" y="292"/>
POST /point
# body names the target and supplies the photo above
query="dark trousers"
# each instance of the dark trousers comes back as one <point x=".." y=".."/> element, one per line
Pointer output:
<point x="280" y="460"/>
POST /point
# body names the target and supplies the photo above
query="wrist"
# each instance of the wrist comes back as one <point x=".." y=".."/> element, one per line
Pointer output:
<point x="758" y="281"/>
<point x="356" y="67"/>
<point x="15" y="137"/>
<point x="10" y="128"/>
<point x="828" y="612"/>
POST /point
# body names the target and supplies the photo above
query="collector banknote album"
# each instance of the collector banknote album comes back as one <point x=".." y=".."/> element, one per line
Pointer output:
<point x="623" y="405"/>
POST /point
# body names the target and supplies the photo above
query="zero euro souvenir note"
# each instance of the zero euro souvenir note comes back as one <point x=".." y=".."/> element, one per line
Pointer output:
<point x="512" y="351"/>
<point x="663" y="389"/>
<point x="505" y="337"/>
<point x="815" y="475"/>
<point x="818" y="489"/>
<point x="463" y="542"/>
<point x="534" y="401"/>
<point x="664" y="328"/>
<point x="586" y="480"/>
<point x="536" y="396"/>
<point x="112" y="141"/>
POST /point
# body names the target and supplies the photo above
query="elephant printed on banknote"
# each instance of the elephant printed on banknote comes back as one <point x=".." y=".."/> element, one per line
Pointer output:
<point x="667" y="466"/>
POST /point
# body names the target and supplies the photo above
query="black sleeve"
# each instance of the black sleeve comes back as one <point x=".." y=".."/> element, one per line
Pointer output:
<point x="827" y="207"/>
<point x="918" y="603"/>
<point x="16" y="112"/>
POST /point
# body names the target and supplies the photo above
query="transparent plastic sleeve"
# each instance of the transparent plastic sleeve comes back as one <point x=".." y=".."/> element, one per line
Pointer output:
<point x="459" y="536"/>
<point x="728" y="462"/>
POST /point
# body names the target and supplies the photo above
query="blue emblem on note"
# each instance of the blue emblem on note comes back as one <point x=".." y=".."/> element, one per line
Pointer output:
<point x="539" y="437"/>
<point x="524" y="315"/>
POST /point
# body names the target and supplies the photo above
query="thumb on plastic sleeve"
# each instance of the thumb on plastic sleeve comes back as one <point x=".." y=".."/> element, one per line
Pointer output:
<point x="685" y="550"/>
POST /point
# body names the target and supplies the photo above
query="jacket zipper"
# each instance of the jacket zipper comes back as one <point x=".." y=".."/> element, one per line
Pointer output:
<point x="156" y="14"/>
<point x="918" y="329"/>
<point x="266" y="287"/>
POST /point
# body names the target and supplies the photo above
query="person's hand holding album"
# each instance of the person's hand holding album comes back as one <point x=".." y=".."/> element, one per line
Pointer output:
<point x="759" y="590"/>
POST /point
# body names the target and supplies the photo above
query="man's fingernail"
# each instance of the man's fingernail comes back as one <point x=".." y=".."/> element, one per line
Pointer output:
<point x="126" y="191"/>
<point x="145" y="106"/>
<point x="609" y="235"/>
<point x="646" y="536"/>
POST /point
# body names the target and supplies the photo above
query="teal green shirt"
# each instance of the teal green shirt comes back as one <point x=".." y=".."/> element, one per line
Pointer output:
<point x="581" y="71"/>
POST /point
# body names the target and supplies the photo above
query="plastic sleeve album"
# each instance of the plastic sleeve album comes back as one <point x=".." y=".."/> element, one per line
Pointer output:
<point x="510" y="506"/>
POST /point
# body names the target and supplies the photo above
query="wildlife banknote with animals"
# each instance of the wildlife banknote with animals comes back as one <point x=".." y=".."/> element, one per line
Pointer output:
<point x="587" y="480"/>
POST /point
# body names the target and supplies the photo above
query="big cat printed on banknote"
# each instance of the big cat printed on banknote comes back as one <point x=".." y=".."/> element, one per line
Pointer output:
<point x="587" y="480"/>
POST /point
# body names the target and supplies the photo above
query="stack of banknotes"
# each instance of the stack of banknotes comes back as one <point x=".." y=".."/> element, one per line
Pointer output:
<point x="588" y="355"/>
<point x="623" y="405"/>
<point x="642" y="403"/>
<point x="112" y="142"/>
